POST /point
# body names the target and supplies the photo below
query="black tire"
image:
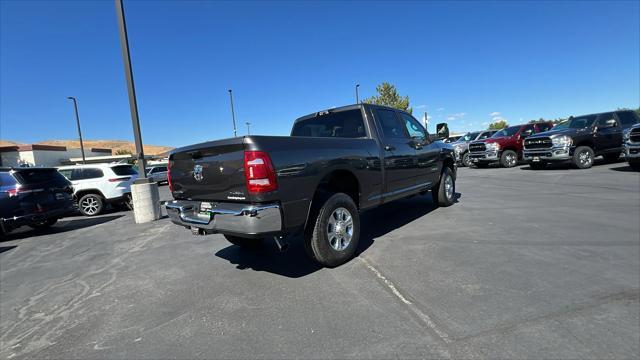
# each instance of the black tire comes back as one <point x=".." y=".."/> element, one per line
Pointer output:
<point x="244" y="243"/>
<point x="508" y="159"/>
<point x="583" y="157"/>
<point x="635" y="165"/>
<point x="481" y="165"/>
<point x="444" y="192"/>
<point x="43" y="224"/>
<point x="465" y="160"/>
<point x="611" y="157"/>
<point x="335" y="250"/>
<point x="91" y="204"/>
<point x="537" y="165"/>
<point x="128" y="202"/>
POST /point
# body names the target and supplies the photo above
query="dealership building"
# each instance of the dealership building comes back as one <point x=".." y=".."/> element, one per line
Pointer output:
<point x="49" y="155"/>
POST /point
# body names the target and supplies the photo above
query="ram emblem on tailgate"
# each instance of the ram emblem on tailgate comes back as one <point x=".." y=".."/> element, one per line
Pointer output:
<point x="197" y="173"/>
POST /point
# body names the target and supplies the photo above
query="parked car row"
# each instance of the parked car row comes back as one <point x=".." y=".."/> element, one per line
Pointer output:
<point x="38" y="197"/>
<point x="577" y="141"/>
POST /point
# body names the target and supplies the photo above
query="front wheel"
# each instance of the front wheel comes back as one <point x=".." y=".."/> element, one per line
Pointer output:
<point x="336" y="231"/>
<point x="443" y="193"/>
<point x="583" y="157"/>
<point x="465" y="160"/>
<point x="91" y="204"/>
<point x="509" y="159"/>
<point x="43" y="224"/>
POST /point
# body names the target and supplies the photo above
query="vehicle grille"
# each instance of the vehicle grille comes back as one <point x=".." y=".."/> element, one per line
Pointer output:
<point x="635" y="135"/>
<point x="538" y="143"/>
<point x="477" y="147"/>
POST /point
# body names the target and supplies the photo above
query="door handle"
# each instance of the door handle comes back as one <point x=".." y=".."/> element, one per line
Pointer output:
<point x="389" y="147"/>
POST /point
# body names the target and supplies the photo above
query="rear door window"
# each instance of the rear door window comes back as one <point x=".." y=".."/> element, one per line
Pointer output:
<point x="40" y="176"/>
<point x="603" y="118"/>
<point x="391" y="127"/>
<point x="343" y="124"/>
<point x="122" y="170"/>
<point x="91" y="173"/>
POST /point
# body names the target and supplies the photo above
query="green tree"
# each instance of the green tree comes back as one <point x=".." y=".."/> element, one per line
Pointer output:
<point x="388" y="96"/>
<point x="498" y="125"/>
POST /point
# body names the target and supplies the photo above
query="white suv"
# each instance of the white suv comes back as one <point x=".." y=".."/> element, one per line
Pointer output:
<point x="96" y="185"/>
<point x="158" y="173"/>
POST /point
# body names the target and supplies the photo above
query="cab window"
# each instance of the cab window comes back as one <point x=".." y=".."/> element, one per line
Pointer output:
<point x="391" y="127"/>
<point x="415" y="130"/>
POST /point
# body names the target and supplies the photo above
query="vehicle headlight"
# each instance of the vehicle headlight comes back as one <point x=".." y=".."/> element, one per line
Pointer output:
<point x="457" y="148"/>
<point x="493" y="146"/>
<point x="626" y="134"/>
<point x="562" y="141"/>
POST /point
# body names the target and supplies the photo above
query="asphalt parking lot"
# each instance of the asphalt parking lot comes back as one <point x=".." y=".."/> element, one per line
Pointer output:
<point x="527" y="264"/>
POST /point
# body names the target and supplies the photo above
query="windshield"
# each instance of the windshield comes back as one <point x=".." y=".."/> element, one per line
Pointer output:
<point x="581" y="122"/>
<point x="562" y="125"/>
<point x="510" y="131"/>
<point x="469" y="136"/>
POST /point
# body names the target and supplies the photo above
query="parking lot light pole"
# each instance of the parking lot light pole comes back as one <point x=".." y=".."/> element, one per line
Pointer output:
<point x="248" y="128"/>
<point x="357" y="95"/>
<point x="75" y="106"/>
<point x="144" y="193"/>
<point x="233" y="114"/>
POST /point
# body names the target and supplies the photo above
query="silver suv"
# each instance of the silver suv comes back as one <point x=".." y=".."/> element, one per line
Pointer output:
<point x="461" y="147"/>
<point x="158" y="173"/>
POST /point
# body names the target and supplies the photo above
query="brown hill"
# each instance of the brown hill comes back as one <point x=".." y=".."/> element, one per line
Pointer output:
<point x="114" y="145"/>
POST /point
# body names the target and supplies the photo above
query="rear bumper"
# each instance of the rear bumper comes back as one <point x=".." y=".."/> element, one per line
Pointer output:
<point x="17" y="221"/>
<point x="631" y="151"/>
<point x="556" y="153"/>
<point x="227" y="218"/>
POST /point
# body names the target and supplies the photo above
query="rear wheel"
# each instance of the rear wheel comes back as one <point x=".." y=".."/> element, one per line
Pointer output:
<point x="583" y="157"/>
<point x="244" y="243"/>
<point x="91" y="204"/>
<point x="443" y="193"/>
<point x="334" y="238"/>
<point x="509" y="159"/>
<point x="43" y="224"/>
<point x="465" y="160"/>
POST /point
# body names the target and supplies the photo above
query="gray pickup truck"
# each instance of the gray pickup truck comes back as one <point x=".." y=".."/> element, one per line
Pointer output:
<point x="335" y="164"/>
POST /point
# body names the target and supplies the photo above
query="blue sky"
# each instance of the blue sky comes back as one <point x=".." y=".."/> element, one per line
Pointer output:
<point x="466" y="63"/>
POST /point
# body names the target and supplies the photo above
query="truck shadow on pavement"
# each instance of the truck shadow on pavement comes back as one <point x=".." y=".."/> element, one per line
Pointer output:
<point x="294" y="263"/>
<point x="62" y="226"/>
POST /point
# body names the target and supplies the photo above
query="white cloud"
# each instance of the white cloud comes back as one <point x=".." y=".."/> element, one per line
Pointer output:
<point x="456" y="116"/>
<point x="485" y="123"/>
<point x="440" y="109"/>
<point x="420" y="107"/>
<point x="494" y="114"/>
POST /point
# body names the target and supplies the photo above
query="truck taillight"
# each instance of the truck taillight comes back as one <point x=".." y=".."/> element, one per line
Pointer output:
<point x="169" y="176"/>
<point x="259" y="172"/>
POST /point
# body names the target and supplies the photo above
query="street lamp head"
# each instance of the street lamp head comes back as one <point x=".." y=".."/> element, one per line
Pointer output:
<point x="71" y="98"/>
<point x="357" y="85"/>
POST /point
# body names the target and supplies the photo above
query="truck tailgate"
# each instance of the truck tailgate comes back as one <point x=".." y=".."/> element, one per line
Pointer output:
<point x="211" y="171"/>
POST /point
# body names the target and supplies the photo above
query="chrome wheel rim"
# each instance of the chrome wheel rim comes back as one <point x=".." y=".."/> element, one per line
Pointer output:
<point x="90" y="205"/>
<point x="340" y="229"/>
<point x="511" y="159"/>
<point x="448" y="186"/>
<point x="585" y="158"/>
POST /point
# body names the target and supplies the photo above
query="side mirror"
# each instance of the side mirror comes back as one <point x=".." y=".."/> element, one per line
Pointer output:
<point x="608" y="124"/>
<point x="442" y="131"/>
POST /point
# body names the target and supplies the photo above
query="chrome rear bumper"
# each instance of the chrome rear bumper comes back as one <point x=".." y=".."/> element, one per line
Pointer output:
<point x="226" y="217"/>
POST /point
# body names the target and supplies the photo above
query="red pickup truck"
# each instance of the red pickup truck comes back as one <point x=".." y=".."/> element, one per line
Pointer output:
<point x="505" y="146"/>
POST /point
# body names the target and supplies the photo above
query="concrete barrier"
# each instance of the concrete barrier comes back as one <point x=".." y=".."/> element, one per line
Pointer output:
<point x="146" y="202"/>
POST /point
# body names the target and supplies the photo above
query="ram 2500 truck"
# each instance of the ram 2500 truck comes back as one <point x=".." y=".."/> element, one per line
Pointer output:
<point x="461" y="146"/>
<point x="580" y="140"/>
<point x="315" y="182"/>
<point x="505" y="146"/>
